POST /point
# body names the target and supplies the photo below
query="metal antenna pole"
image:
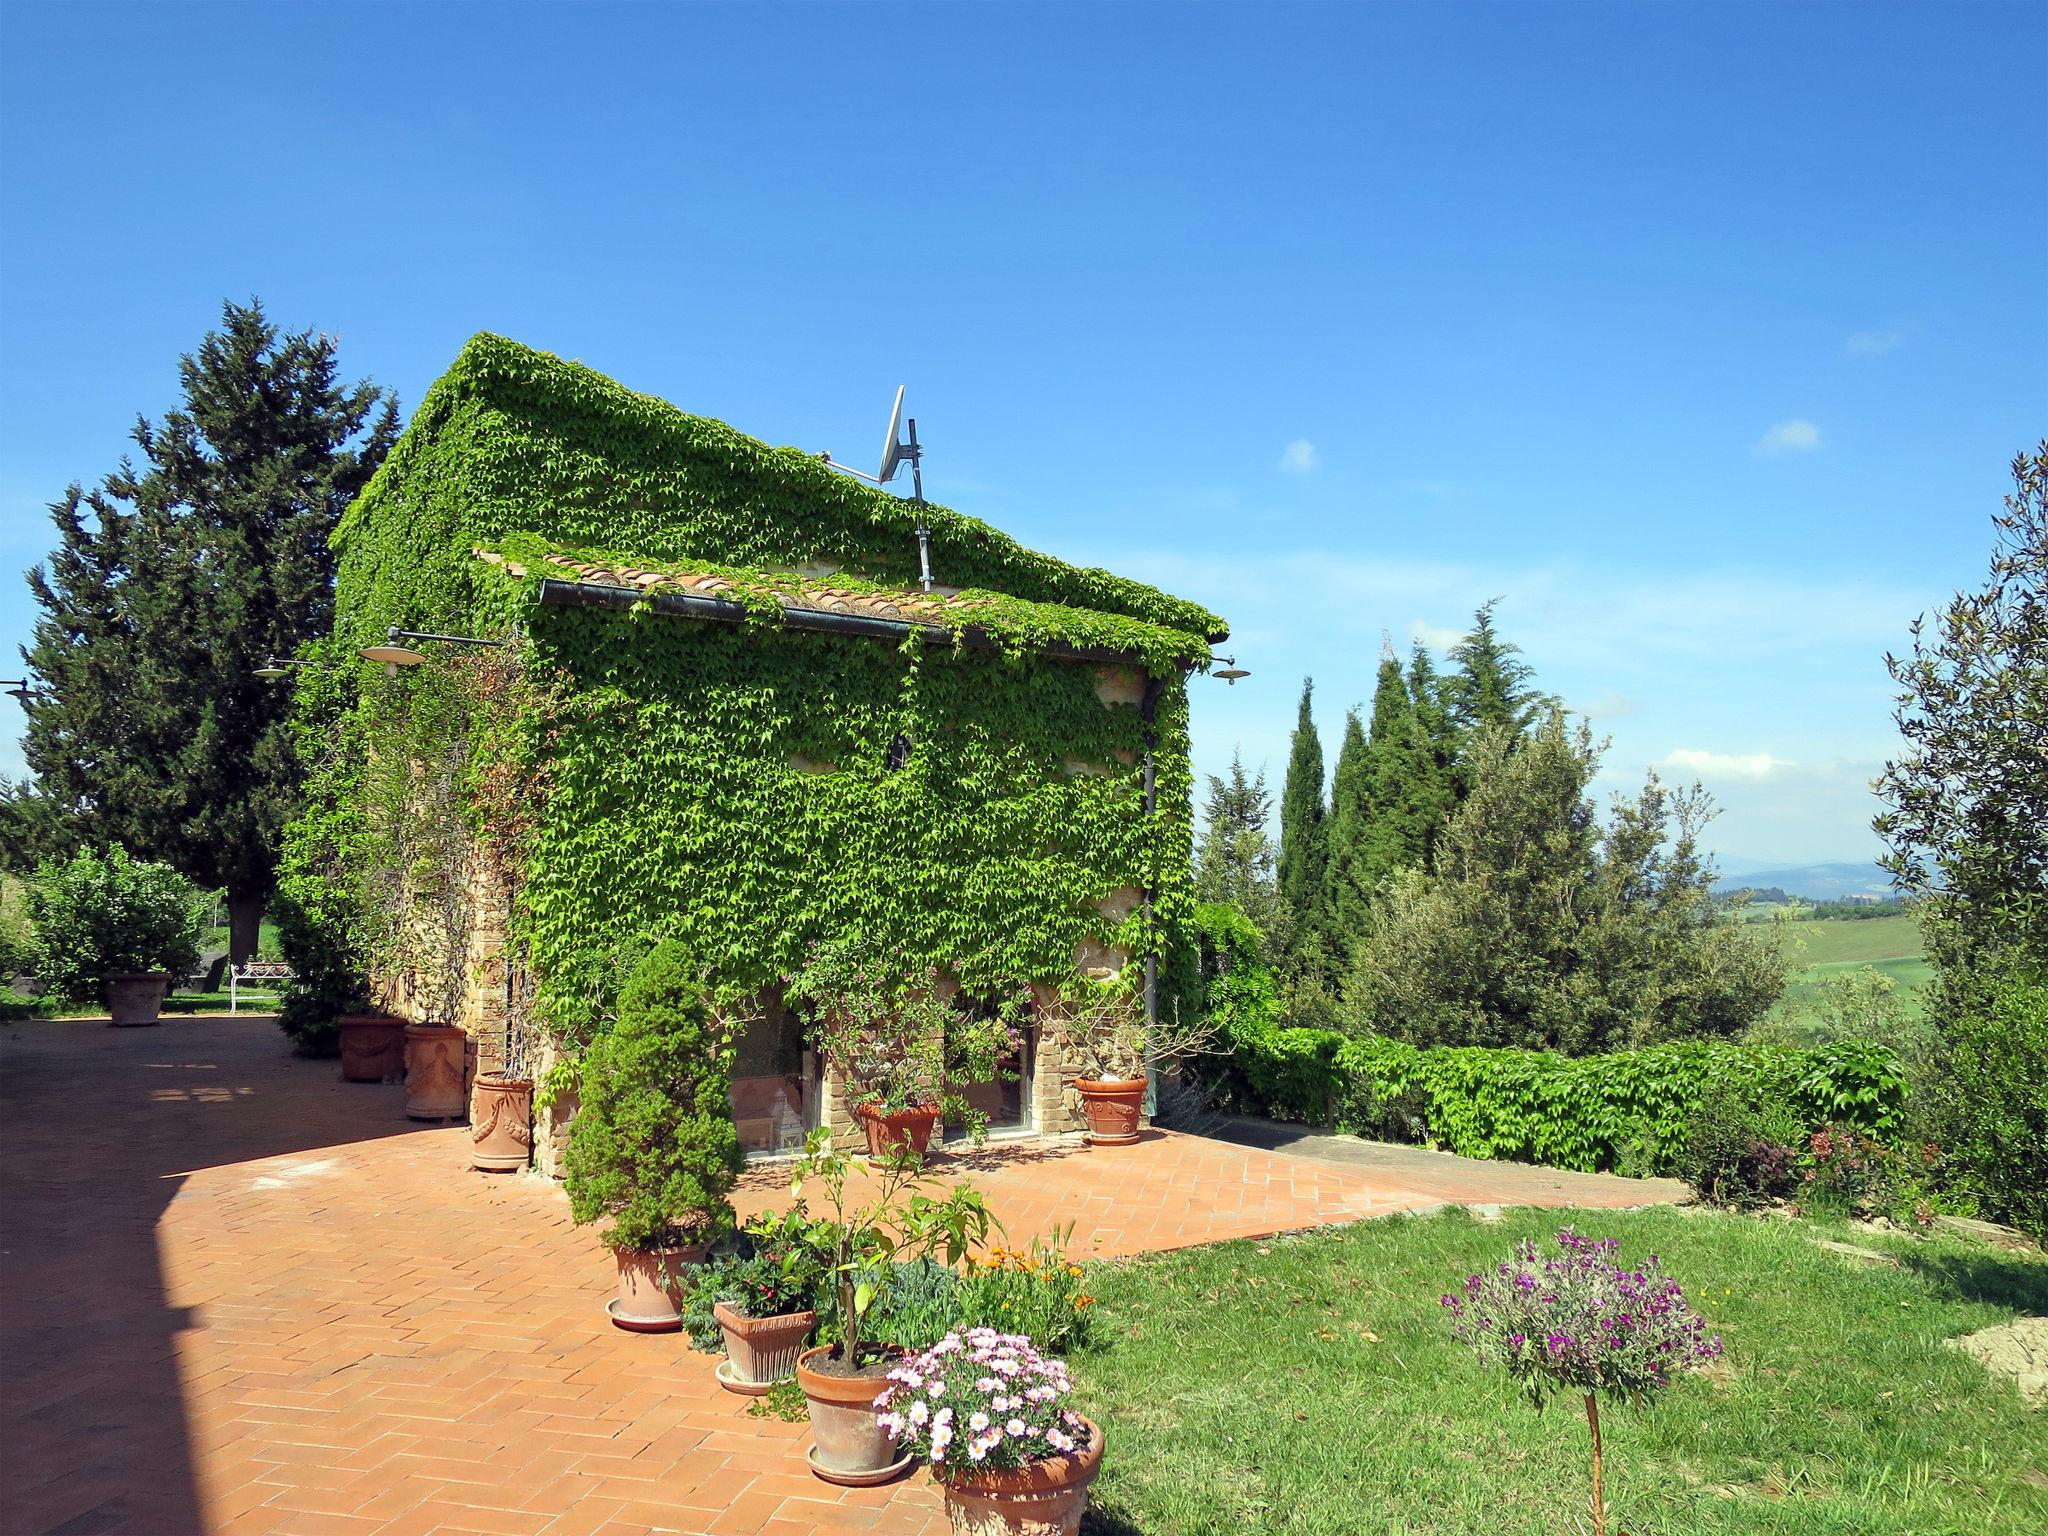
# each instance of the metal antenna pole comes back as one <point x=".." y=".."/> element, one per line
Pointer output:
<point x="924" y="534"/>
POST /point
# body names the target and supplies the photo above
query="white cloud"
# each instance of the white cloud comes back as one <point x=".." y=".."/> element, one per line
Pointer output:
<point x="1724" y="765"/>
<point x="1438" y="637"/>
<point x="1299" y="457"/>
<point x="1793" y="436"/>
<point x="1873" y="343"/>
<point x="1606" y="706"/>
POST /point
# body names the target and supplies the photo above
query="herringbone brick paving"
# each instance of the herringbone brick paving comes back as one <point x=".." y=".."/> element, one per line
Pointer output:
<point x="242" y="1296"/>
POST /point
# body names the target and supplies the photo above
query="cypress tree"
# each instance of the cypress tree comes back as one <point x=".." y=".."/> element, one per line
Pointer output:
<point x="1303" y="836"/>
<point x="1348" y="881"/>
<point x="169" y="585"/>
<point x="1436" y="781"/>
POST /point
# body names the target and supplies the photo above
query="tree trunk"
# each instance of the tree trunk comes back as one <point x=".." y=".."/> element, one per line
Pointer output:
<point x="245" y="920"/>
<point x="1599" y="1493"/>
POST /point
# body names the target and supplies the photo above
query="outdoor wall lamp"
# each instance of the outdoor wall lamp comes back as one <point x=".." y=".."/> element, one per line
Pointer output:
<point x="1230" y="671"/>
<point x="18" y="686"/>
<point x="281" y="666"/>
<point x="394" y="655"/>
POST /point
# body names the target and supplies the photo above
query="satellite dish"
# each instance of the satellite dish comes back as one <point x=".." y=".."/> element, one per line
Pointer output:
<point x="893" y="452"/>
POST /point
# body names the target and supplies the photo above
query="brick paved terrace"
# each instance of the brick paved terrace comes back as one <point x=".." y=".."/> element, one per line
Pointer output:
<point x="243" y="1296"/>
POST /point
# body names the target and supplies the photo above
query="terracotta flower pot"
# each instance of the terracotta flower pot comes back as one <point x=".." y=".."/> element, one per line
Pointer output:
<point x="501" y="1123"/>
<point x="651" y="1286"/>
<point x="899" y="1128"/>
<point x="849" y="1447"/>
<point x="433" y="1071"/>
<point x="1113" y="1110"/>
<point x="372" y="1048"/>
<point x="1043" y="1499"/>
<point x="137" y="998"/>
<point x="760" y="1351"/>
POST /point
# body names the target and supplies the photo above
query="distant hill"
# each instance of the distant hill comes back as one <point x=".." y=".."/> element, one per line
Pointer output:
<point x="1815" y="882"/>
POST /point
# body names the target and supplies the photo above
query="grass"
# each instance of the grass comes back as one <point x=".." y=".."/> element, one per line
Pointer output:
<point x="1309" y="1386"/>
<point x="1854" y="941"/>
<point x="1819" y="951"/>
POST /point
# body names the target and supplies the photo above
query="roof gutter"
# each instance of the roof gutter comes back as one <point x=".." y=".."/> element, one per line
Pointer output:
<point x="556" y="593"/>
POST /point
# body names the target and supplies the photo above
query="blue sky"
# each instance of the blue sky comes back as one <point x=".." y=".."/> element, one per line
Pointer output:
<point x="1702" y="335"/>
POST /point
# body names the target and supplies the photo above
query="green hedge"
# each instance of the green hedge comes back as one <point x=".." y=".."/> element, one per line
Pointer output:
<point x="1627" y="1109"/>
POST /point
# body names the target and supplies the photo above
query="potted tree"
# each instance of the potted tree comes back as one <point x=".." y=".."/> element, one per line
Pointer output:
<point x="767" y="1303"/>
<point x="859" y="1243"/>
<point x="1105" y="1034"/>
<point x="988" y="1413"/>
<point x="653" y="1150"/>
<point x="108" y="926"/>
<point x="896" y="1042"/>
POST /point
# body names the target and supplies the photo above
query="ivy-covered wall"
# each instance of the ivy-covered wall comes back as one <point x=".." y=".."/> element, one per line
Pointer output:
<point x="732" y="784"/>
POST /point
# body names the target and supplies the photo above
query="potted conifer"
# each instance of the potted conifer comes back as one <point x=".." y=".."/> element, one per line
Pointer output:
<point x="653" y="1150"/>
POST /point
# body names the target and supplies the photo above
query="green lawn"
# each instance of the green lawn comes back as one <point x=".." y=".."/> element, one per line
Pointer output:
<point x="1310" y="1385"/>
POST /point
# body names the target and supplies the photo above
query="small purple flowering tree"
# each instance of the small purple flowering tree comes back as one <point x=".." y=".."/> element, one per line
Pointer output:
<point x="1584" y="1324"/>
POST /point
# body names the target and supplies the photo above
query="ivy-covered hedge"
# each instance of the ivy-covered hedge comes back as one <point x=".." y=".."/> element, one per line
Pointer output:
<point x="1626" y="1109"/>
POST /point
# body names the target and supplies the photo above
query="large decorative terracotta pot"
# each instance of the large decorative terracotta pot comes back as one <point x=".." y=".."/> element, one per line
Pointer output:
<point x="760" y="1351"/>
<point x="433" y="1071"/>
<point x="1113" y="1110"/>
<point x="651" y="1286"/>
<point x="1043" y="1499"/>
<point x="849" y="1446"/>
<point x="501" y="1123"/>
<point x="899" y="1128"/>
<point x="137" y="998"/>
<point x="372" y="1048"/>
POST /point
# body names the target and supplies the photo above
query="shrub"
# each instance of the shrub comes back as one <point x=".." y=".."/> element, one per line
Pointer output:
<point x="981" y="1401"/>
<point x="17" y="933"/>
<point x="1994" y="1100"/>
<point x="1582" y="1112"/>
<point x="919" y="1304"/>
<point x="653" y="1149"/>
<point x="99" y="915"/>
<point x="1035" y="1291"/>
<point x="1739" y="1152"/>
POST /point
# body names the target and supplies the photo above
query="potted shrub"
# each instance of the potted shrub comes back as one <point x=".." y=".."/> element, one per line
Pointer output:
<point x="767" y="1303"/>
<point x="988" y="1413"/>
<point x="653" y="1150"/>
<point x="1105" y="1034"/>
<point x="895" y="1042"/>
<point x="860" y="1245"/>
<point x="108" y="926"/>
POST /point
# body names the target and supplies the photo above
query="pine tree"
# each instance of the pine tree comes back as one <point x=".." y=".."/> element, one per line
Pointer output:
<point x="172" y="582"/>
<point x="1491" y="686"/>
<point x="1236" y="860"/>
<point x="1303" y="835"/>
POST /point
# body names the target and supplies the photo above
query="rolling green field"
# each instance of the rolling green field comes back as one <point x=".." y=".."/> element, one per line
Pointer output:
<point x="1820" y="951"/>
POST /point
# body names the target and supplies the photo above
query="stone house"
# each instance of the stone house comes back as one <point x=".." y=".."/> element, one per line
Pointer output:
<point x="744" y="719"/>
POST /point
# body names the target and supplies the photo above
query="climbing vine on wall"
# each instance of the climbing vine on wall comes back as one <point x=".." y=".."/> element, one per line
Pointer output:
<point x="749" y="788"/>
